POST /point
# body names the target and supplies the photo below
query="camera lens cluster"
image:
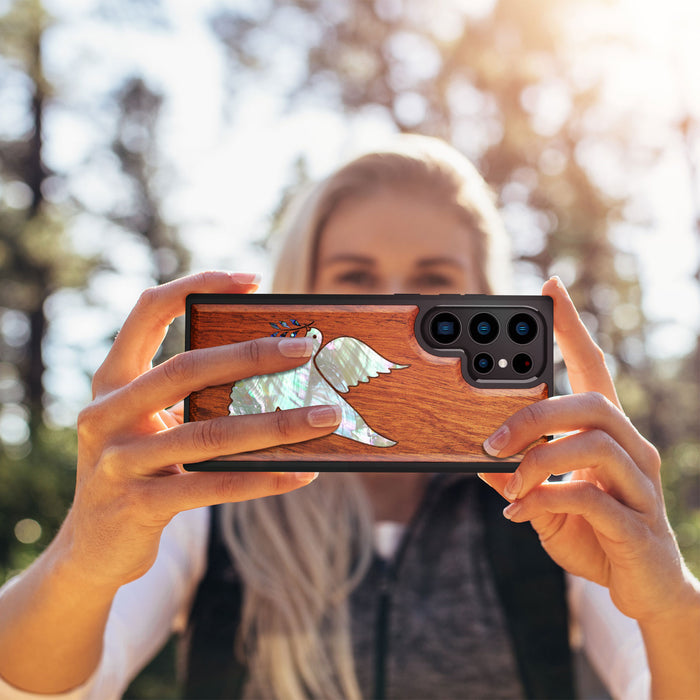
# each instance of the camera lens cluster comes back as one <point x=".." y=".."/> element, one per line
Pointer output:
<point x="484" y="329"/>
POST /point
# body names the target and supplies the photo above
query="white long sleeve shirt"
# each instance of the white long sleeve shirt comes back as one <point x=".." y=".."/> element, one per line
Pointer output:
<point x="147" y="611"/>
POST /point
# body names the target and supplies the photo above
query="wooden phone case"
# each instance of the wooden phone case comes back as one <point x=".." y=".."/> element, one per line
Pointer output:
<point x="430" y="414"/>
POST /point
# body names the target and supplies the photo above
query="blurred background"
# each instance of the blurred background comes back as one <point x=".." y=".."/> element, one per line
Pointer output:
<point x="143" y="139"/>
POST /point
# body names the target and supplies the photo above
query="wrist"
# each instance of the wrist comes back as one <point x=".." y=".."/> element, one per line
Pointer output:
<point x="672" y="643"/>
<point x="52" y="623"/>
<point x="72" y="563"/>
<point x="684" y="608"/>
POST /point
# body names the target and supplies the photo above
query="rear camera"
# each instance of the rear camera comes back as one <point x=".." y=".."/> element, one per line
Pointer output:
<point x="483" y="328"/>
<point x="483" y="363"/>
<point x="522" y="328"/>
<point x="445" y="328"/>
<point x="522" y="363"/>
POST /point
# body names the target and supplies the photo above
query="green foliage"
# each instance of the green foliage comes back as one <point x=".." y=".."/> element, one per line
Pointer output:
<point x="135" y="144"/>
<point x="35" y="486"/>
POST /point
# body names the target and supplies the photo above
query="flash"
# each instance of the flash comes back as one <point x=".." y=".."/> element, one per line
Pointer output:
<point x="503" y="363"/>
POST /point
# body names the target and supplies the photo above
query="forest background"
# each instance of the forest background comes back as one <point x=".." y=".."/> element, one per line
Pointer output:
<point x="143" y="139"/>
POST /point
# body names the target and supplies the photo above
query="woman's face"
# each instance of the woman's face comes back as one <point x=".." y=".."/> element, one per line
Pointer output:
<point x="395" y="242"/>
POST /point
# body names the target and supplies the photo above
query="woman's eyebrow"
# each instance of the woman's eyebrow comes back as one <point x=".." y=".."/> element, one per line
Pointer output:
<point x="431" y="262"/>
<point x="349" y="258"/>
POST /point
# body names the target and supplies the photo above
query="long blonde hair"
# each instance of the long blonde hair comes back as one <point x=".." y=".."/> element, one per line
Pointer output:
<point x="299" y="555"/>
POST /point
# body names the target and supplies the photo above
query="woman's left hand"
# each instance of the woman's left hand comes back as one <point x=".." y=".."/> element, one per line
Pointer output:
<point x="608" y="523"/>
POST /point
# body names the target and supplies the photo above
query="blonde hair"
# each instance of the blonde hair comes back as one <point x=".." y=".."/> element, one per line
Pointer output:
<point x="299" y="555"/>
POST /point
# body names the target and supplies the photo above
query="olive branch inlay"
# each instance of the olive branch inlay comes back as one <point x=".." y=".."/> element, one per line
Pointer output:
<point x="291" y="328"/>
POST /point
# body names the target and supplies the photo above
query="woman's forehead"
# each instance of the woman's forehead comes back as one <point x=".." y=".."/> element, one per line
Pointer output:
<point x="390" y="224"/>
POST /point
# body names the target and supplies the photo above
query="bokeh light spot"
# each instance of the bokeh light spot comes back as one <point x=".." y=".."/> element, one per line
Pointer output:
<point x="27" y="531"/>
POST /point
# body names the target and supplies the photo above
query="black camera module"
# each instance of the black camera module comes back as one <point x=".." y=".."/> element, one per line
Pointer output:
<point x="483" y="328"/>
<point x="522" y="363"/>
<point x="445" y="328"/>
<point x="483" y="363"/>
<point x="522" y="328"/>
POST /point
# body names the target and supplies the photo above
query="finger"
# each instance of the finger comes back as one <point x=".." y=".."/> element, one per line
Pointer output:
<point x="191" y="371"/>
<point x="146" y="326"/>
<point x="556" y="532"/>
<point x="178" y="492"/>
<point x="594" y="451"/>
<point x="176" y="414"/>
<point x="496" y="480"/>
<point x="610" y="519"/>
<point x="585" y="361"/>
<point x="170" y="419"/>
<point x="228" y="435"/>
<point x="565" y="414"/>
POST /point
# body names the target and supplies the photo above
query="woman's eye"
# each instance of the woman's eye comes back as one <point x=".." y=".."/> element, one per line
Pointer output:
<point x="360" y="278"/>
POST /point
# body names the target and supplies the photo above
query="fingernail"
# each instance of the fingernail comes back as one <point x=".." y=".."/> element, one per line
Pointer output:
<point x="324" y="416"/>
<point x="561" y="285"/>
<point x="481" y="476"/>
<point x="512" y="488"/>
<point x="246" y="277"/>
<point x="512" y="510"/>
<point x="496" y="442"/>
<point x="296" y="347"/>
<point x="306" y="477"/>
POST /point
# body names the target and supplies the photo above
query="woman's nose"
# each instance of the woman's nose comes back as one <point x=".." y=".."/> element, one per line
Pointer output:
<point x="395" y="285"/>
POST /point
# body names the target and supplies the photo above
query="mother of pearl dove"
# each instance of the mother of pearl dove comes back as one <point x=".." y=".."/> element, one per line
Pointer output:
<point x="331" y="370"/>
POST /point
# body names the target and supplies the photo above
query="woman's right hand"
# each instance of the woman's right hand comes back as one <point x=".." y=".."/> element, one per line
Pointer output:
<point x="130" y="480"/>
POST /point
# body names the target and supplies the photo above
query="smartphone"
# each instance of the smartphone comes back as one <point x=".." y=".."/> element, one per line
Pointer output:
<point x="421" y="380"/>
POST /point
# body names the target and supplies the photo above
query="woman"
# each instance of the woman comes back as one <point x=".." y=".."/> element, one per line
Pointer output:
<point x="299" y="567"/>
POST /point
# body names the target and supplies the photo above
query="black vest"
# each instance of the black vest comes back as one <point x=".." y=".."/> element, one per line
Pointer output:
<point x="530" y="586"/>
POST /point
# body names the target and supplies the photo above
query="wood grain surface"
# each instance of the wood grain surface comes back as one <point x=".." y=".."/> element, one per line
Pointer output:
<point x="428" y="408"/>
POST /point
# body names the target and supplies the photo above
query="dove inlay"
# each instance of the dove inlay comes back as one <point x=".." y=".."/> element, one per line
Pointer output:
<point x="340" y="364"/>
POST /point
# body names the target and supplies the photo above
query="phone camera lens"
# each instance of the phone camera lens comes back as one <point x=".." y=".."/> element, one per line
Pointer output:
<point x="445" y="328"/>
<point x="522" y="328"/>
<point x="483" y="328"/>
<point x="483" y="363"/>
<point x="522" y="363"/>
